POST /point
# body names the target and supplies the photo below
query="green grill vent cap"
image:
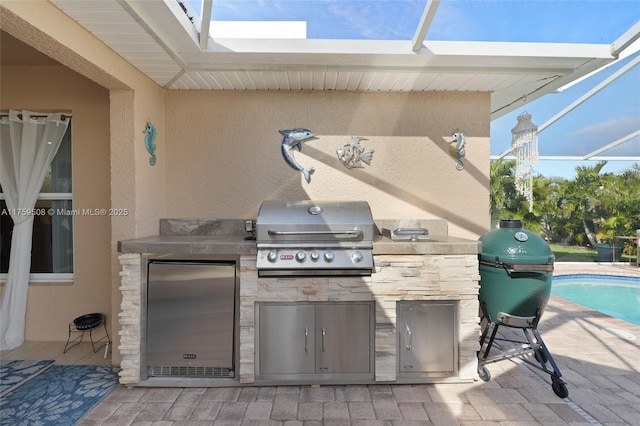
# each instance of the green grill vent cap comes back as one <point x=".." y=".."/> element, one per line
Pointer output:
<point x="510" y="223"/>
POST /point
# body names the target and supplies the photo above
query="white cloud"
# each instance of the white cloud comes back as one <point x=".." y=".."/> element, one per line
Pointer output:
<point x="378" y="19"/>
<point x="594" y="136"/>
<point x="609" y="130"/>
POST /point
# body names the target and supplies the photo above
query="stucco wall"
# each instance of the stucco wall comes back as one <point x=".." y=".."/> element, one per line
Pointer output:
<point x="223" y="153"/>
<point x="219" y="154"/>
<point x="51" y="307"/>
<point x="132" y="100"/>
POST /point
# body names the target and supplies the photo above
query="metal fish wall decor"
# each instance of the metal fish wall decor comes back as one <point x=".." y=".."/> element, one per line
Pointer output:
<point x="352" y="154"/>
<point x="457" y="150"/>
<point x="293" y="139"/>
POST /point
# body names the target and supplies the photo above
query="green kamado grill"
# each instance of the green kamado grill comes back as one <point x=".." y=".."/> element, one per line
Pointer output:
<point x="516" y="270"/>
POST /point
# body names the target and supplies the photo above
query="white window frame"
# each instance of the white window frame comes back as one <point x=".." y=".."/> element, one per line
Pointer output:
<point x="52" y="277"/>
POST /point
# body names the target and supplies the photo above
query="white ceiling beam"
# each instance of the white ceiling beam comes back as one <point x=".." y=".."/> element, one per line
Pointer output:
<point x="622" y="48"/>
<point x="613" y="144"/>
<point x="536" y="52"/>
<point x="582" y="98"/>
<point x="166" y="22"/>
<point x="590" y="93"/>
<point x="471" y="57"/>
<point x="626" y="39"/>
<point x="576" y="158"/>
<point x="207" y="6"/>
<point x="425" y="22"/>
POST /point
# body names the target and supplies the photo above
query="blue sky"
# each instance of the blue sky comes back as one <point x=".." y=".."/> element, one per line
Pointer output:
<point x="612" y="113"/>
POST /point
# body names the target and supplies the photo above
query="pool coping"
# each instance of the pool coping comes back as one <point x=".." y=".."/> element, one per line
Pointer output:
<point x="595" y="268"/>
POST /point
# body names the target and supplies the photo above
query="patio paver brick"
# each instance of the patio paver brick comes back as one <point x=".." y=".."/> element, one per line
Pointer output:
<point x="285" y="407"/>
<point x="413" y="411"/>
<point x="360" y="410"/>
<point x="258" y="410"/>
<point x="386" y="407"/>
<point x="336" y="411"/>
<point x="602" y="374"/>
<point x="154" y="411"/>
<point x="310" y="411"/>
<point x="352" y="393"/>
<point x="410" y="393"/>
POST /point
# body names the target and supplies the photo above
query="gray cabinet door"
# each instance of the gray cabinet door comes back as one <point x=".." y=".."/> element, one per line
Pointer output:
<point x="427" y="337"/>
<point x="286" y="339"/>
<point x="343" y="338"/>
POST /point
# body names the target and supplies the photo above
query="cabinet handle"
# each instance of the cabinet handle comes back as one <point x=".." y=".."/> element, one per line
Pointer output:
<point x="306" y="339"/>
<point x="407" y="338"/>
<point x="323" y="334"/>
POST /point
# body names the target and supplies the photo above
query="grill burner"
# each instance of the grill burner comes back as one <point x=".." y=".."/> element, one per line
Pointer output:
<point x="308" y="238"/>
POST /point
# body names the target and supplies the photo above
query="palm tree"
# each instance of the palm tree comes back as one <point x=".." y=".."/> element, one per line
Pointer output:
<point x="502" y="189"/>
<point x="619" y="210"/>
<point x="547" y="195"/>
<point x="589" y="208"/>
<point x="581" y="200"/>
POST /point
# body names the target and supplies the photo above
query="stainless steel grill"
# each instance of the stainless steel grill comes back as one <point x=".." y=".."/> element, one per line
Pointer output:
<point x="309" y="238"/>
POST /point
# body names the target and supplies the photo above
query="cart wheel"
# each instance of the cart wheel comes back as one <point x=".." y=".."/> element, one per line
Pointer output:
<point x="540" y="356"/>
<point x="559" y="388"/>
<point x="484" y="373"/>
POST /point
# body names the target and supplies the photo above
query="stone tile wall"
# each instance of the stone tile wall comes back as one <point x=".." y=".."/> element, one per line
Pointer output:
<point x="130" y="317"/>
<point x="397" y="277"/>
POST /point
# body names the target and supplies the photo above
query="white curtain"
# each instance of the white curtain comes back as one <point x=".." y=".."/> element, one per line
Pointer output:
<point x="28" y="143"/>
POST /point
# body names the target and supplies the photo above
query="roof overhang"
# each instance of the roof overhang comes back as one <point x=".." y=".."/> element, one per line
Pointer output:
<point x="164" y="43"/>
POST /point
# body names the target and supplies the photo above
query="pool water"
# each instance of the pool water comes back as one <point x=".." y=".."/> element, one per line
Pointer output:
<point x="612" y="295"/>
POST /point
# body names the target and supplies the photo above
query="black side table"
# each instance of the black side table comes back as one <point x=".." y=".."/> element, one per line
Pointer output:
<point x="89" y="322"/>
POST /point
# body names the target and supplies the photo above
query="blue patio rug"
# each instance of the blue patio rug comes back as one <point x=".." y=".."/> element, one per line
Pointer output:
<point x="58" y="396"/>
<point x="15" y="372"/>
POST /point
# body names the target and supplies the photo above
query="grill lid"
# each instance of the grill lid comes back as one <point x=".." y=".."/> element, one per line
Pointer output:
<point x="305" y="221"/>
<point x="308" y="238"/>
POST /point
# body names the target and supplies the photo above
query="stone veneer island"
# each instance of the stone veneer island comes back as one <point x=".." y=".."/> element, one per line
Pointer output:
<point x="442" y="270"/>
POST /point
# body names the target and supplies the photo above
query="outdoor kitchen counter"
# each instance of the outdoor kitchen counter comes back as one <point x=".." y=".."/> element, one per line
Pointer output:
<point x="228" y="237"/>
<point x="438" y="273"/>
<point x="192" y="244"/>
<point x="441" y="245"/>
<point x="237" y="245"/>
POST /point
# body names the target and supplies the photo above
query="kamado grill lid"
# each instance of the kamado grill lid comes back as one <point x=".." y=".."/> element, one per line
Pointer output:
<point x="511" y="244"/>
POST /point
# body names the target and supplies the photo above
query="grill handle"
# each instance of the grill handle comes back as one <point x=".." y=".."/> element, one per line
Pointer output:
<point x="407" y="338"/>
<point x="352" y="233"/>
<point x="530" y="268"/>
<point x="519" y="267"/>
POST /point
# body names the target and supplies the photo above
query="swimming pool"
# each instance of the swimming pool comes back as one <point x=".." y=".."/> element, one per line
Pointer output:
<point x="612" y="295"/>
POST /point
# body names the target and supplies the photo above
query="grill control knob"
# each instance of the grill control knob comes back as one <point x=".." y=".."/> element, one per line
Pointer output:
<point x="272" y="256"/>
<point x="301" y="256"/>
<point x="329" y="256"/>
<point x="357" y="257"/>
<point x="314" y="256"/>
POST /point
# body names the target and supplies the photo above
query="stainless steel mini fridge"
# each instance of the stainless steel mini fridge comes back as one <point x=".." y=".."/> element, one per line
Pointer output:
<point x="190" y="318"/>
